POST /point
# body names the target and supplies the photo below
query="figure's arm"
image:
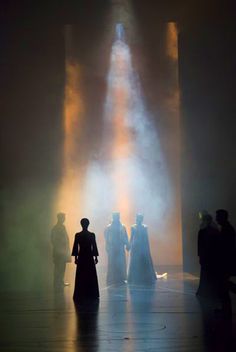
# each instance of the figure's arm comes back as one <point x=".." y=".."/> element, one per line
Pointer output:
<point x="146" y="239"/>
<point x="52" y="237"/>
<point x="75" y="250"/>
<point x="131" y="237"/>
<point x="95" y="248"/>
<point x="199" y="244"/>
<point x="126" y="239"/>
<point x="106" y="235"/>
<point x="67" y="245"/>
<point x="67" y="238"/>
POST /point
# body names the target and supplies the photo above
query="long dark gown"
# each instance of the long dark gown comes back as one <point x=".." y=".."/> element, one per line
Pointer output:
<point x="116" y="239"/>
<point x="86" y="282"/>
<point x="141" y="270"/>
<point x="209" y="258"/>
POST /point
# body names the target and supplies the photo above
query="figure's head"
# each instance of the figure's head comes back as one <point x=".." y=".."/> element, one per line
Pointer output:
<point x="61" y="217"/>
<point x="202" y="214"/>
<point x="221" y="216"/>
<point x="139" y="219"/>
<point x="208" y="219"/>
<point x="116" y="217"/>
<point x="84" y="223"/>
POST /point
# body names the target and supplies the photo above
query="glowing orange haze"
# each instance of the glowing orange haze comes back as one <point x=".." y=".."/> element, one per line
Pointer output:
<point x="67" y="200"/>
<point x="70" y="194"/>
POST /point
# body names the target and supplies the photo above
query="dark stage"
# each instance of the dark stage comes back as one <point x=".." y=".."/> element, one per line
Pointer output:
<point x="166" y="317"/>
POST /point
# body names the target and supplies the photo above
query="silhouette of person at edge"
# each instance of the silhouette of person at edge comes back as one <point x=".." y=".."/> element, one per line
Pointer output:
<point x="208" y="252"/>
<point x="116" y="241"/>
<point x="85" y="252"/>
<point x="227" y="259"/>
<point x="141" y="270"/>
<point x="61" y="250"/>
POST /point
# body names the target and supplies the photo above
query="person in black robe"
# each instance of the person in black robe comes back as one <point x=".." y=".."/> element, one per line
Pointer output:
<point x="227" y="260"/>
<point x="85" y="252"/>
<point x="61" y="251"/>
<point x="116" y="241"/>
<point x="141" y="270"/>
<point x="209" y="253"/>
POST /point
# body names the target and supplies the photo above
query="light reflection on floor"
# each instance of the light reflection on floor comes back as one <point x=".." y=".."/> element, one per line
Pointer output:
<point x="163" y="317"/>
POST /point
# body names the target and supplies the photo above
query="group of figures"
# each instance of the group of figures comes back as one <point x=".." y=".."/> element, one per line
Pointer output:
<point x="216" y="251"/>
<point x="217" y="257"/>
<point x="140" y="269"/>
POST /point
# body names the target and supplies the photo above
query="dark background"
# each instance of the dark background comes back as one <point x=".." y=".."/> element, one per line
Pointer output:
<point x="32" y="78"/>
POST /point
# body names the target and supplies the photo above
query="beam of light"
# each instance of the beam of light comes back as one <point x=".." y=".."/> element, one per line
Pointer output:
<point x="128" y="172"/>
<point x="131" y="169"/>
<point x="118" y="96"/>
<point x="172" y="107"/>
<point x="172" y="41"/>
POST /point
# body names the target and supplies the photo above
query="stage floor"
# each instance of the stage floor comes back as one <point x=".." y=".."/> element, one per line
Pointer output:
<point x="166" y="317"/>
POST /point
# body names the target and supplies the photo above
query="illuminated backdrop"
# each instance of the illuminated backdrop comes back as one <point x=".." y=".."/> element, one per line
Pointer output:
<point x="119" y="153"/>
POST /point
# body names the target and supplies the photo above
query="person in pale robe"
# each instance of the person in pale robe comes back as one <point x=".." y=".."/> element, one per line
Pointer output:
<point x="141" y="270"/>
<point x="117" y="243"/>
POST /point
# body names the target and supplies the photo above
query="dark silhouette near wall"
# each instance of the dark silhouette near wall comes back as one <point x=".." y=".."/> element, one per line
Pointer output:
<point x="141" y="270"/>
<point x="116" y="241"/>
<point x="85" y="252"/>
<point x="228" y="260"/>
<point x="61" y="250"/>
<point x="208" y="252"/>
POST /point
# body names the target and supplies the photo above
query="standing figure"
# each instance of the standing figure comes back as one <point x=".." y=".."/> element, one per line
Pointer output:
<point x="116" y="241"/>
<point x="141" y="270"/>
<point x="227" y="259"/>
<point x="61" y="250"/>
<point x="208" y="252"/>
<point x="85" y="252"/>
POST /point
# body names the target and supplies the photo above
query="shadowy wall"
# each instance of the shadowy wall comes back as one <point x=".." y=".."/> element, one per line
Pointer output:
<point x="207" y="48"/>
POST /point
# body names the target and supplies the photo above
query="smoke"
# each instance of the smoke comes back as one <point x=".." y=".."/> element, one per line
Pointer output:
<point x="127" y="172"/>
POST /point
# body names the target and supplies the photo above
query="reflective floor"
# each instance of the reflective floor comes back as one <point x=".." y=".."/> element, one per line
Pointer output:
<point x="166" y="317"/>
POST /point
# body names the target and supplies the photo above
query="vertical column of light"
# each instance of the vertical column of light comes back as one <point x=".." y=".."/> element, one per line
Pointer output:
<point x="173" y="106"/>
<point x="69" y="191"/>
<point x="172" y="54"/>
<point x="119" y="91"/>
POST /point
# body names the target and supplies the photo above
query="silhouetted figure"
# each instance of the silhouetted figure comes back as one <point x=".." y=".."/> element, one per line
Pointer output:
<point x="116" y="241"/>
<point x="208" y="252"/>
<point x="227" y="258"/>
<point x="141" y="270"/>
<point x="61" y="250"/>
<point x="85" y="252"/>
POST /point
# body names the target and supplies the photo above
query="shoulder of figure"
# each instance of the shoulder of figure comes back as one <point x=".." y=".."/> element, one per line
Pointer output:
<point x="145" y="226"/>
<point x="92" y="234"/>
<point x="54" y="227"/>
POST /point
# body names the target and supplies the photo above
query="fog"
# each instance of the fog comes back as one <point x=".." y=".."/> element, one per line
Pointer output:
<point x="122" y="165"/>
<point x="98" y="133"/>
